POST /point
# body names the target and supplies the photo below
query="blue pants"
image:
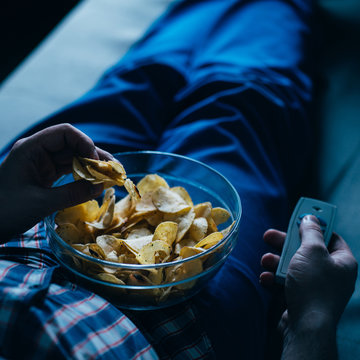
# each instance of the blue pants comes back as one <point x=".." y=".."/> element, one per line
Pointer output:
<point x="225" y="82"/>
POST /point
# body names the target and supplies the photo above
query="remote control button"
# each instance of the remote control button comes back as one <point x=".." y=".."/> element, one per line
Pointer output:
<point x="298" y="221"/>
<point x="322" y="222"/>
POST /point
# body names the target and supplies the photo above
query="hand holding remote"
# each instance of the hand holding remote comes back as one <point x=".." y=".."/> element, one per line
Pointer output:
<point x="318" y="285"/>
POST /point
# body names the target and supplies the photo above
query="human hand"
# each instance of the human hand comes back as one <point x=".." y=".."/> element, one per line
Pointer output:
<point x="30" y="169"/>
<point x="319" y="282"/>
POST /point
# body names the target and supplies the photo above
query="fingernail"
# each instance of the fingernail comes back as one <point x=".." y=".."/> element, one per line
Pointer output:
<point x="311" y="218"/>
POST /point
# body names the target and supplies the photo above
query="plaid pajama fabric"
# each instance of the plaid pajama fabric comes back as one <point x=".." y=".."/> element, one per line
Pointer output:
<point x="43" y="315"/>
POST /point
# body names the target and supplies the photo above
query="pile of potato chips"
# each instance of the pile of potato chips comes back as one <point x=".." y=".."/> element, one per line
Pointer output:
<point x="154" y="224"/>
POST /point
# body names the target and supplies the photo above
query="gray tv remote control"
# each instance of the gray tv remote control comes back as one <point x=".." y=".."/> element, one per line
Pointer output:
<point x="325" y="213"/>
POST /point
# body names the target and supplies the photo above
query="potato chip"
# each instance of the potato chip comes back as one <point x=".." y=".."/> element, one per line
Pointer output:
<point x="87" y="211"/>
<point x="106" y="215"/>
<point x="84" y="248"/>
<point x="106" y="211"/>
<point x="128" y="258"/>
<point x="145" y="204"/>
<point x="124" y="207"/>
<point x="109" y="173"/>
<point x="198" y="228"/>
<point x="109" y="243"/>
<point x="111" y="256"/>
<point x="137" y="243"/>
<point x="132" y="223"/>
<point x="143" y="209"/>
<point x="96" y="251"/>
<point x="184" y="271"/>
<point x="92" y="268"/>
<point x="105" y="170"/>
<point x="219" y="215"/>
<point x="138" y="279"/>
<point x="80" y="172"/>
<point x="138" y="233"/>
<point x="183" y="242"/>
<point x="69" y="232"/>
<point x="109" y="278"/>
<point x="150" y="183"/>
<point x="109" y="193"/>
<point x="203" y="210"/>
<point x="88" y="233"/>
<point x="188" y="251"/>
<point x="153" y="253"/>
<point x="227" y="230"/>
<point x="211" y="225"/>
<point x="132" y="189"/>
<point x="210" y="240"/>
<point x="98" y="176"/>
<point x="156" y="276"/>
<point x="166" y="231"/>
<point x="116" y="225"/>
<point x="154" y="219"/>
<point x="169" y="202"/>
<point x="184" y="222"/>
<point x="183" y="193"/>
<point x="123" y="274"/>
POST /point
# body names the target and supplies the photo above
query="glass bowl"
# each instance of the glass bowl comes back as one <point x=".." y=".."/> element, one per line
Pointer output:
<point x="203" y="184"/>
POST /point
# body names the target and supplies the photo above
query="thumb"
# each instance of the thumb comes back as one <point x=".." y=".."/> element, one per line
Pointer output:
<point x="310" y="232"/>
<point x="72" y="194"/>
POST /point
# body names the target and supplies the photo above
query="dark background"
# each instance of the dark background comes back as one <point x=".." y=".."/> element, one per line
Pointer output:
<point x="24" y="24"/>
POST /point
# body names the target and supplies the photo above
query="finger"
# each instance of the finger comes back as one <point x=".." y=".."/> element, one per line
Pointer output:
<point x="64" y="136"/>
<point x="340" y="252"/>
<point x="310" y="232"/>
<point x="43" y="169"/>
<point x="270" y="261"/>
<point x="275" y="238"/>
<point x="283" y="323"/>
<point x="267" y="279"/>
<point x="104" y="155"/>
<point x="338" y="243"/>
<point x="71" y="194"/>
<point x="62" y="170"/>
<point x="63" y="157"/>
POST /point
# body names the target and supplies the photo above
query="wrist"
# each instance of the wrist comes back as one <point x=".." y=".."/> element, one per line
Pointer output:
<point x="312" y="321"/>
<point x="311" y="336"/>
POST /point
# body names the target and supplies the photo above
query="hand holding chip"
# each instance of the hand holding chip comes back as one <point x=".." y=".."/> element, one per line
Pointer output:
<point x="318" y="285"/>
<point x="32" y="166"/>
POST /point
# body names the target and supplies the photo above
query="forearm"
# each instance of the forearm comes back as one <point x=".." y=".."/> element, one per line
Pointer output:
<point x="312" y="340"/>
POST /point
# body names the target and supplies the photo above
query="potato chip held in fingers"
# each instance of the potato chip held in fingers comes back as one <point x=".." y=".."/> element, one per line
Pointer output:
<point x="109" y="173"/>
